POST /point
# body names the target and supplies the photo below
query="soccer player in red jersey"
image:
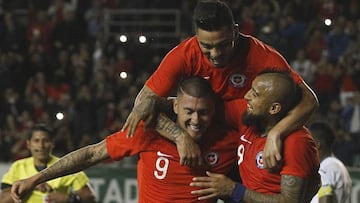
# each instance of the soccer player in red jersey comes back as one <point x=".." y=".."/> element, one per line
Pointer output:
<point x="161" y="178"/>
<point x="230" y="60"/>
<point x="271" y="96"/>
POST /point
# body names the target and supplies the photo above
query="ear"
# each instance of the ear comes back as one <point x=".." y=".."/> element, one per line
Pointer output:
<point x="28" y="144"/>
<point x="236" y="30"/>
<point x="275" y="108"/>
<point x="176" y="105"/>
<point x="236" y="27"/>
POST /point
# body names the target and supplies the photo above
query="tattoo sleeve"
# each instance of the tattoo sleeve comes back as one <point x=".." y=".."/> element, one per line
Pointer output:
<point x="292" y="190"/>
<point x="145" y="92"/>
<point x="167" y="128"/>
<point x="75" y="161"/>
<point x="161" y="104"/>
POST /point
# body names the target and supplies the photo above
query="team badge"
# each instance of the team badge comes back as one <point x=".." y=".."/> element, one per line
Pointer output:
<point x="212" y="158"/>
<point x="259" y="160"/>
<point x="238" y="80"/>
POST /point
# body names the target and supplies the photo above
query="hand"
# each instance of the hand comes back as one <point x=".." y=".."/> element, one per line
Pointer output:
<point x="21" y="187"/>
<point x="215" y="185"/>
<point x="189" y="151"/>
<point x="143" y="111"/>
<point x="272" y="151"/>
<point x="44" y="187"/>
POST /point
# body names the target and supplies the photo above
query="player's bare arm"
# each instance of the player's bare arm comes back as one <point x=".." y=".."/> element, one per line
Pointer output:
<point x="295" y="119"/>
<point x="188" y="149"/>
<point x="5" y="196"/>
<point x="145" y="108"/>
<point x="76" y="161"/>
<point x="293" y="189"/>
<point x="70" y="163"/>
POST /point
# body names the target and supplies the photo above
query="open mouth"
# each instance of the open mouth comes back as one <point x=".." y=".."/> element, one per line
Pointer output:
<point x="195" y="128"/>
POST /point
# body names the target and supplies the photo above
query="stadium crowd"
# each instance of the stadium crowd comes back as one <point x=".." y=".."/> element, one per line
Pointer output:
<point x="55" y="58"/>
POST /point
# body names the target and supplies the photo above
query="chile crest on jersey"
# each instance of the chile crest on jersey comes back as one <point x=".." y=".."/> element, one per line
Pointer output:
<point x="237" y="80"/>
<point x="212" y="158"/>
<point x="259" y="160"/>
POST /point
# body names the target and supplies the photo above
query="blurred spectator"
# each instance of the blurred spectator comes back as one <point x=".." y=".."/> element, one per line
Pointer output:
<point x="324" y="84"/>
<point x="84" y="109"/>
<point x="293" y="32"/>
<point x="327" y="9"/>
<point x="69" y="32"/>
<point x="38" y="31"/>
<point x="12" y="103"/>
<point x="12" y="37"/>
<point x="57" y="87"/>
<point x="37" y="85"/>
<point x="246" y="22"/>
<point x="95" y="18"/>
<point x="304" y="66"/>
<point x="315" y="45"/>
<point x="337" y="40"/>
<point x="63" y="142"/>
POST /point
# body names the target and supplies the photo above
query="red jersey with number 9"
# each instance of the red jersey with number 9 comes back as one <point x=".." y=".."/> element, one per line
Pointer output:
<point x="161" y="178"/>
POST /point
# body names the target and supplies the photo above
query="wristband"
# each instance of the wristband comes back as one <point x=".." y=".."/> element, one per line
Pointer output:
<point x="238" y="193"/>
<point x="74" y="198"/>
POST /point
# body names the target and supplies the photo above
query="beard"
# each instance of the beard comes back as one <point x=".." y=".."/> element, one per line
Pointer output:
<point x="258" y="122"/>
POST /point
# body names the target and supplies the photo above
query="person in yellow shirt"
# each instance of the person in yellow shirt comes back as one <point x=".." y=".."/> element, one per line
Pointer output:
<point x="73" y="188"/>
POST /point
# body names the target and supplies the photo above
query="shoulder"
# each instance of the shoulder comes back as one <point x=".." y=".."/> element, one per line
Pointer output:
<point x="22" y="162"/>
<point x="270" y="58"/>
<point x="187" y="45"/>
<point x="301" y="134"/>
<point x="300" y="142"/>
<point x="332" y="163"/>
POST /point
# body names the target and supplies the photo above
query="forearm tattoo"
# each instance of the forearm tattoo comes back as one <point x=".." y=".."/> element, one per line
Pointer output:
<point x="76" y="161"/>
<point x="167" y="128"/>
<point x="292" y="189"/>
<point x="143" y="94"/>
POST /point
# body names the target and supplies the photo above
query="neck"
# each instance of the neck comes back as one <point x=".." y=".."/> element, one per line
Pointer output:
<point x="42" y="162"/>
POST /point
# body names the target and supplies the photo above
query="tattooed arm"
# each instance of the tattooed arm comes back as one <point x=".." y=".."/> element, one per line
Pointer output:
<point x="188" y="149"/>
<point x="145" y="108"/>
<point x="70" y="163"/>
<point x="293" y="189"/>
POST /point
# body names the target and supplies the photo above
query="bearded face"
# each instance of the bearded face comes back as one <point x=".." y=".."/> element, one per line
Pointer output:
<point x="256" y="121"/>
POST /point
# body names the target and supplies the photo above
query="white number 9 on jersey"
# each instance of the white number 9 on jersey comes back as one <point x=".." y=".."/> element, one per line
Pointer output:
<point x="240" y="153"/>
<point x="162" y="165"/>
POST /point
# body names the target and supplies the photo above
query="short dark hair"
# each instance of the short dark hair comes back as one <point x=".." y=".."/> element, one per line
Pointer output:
<point x="293" y="94"/>
<point x="212" y="15"/>
<point x="197" y="87"/>
<point x="322" y="132"/>
<point x="42" y="127"/>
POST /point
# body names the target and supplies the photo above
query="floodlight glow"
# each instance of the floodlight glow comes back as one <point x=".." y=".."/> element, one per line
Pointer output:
<point x="123" y="38"/>
<point x="142" y="39"/>
<point x="327" y="22"/>
<point x="59" y="116"/>
<point x="123" y="75"/>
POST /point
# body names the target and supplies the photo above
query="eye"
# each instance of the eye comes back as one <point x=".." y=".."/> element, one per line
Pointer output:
<point x="206" y="46"/>
<point x="188" y="112"/>
<point x="225" y="44"/>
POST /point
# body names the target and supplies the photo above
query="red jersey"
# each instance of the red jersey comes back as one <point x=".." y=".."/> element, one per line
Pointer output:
<point x="161" y="178"/>
<point x="300" y="156"/>
<point x="232" y="81"/>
